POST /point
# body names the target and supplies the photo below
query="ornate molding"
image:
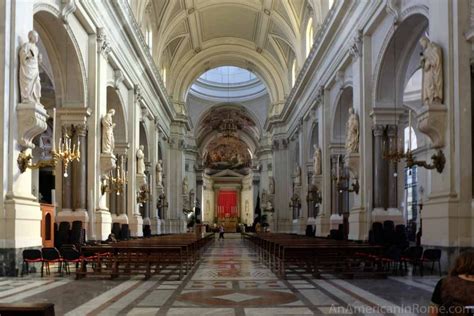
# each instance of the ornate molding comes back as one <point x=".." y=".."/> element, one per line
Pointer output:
<point x="80" y="129"/>
<point x="103" y="44"/>
<point x="118" y="78"/>
<point x="355" y="48"/>
<point x="393" y="8"/>
<point x="31" y="122"/>
<point x="138" y="93"/>
<point x="68" y="7"/>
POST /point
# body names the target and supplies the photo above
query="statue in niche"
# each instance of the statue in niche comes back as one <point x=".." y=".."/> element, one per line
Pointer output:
<point x="317" y="160"/>
<point x="159" y="173"/>
<point x="141" y="160"/>
<point x="271" y="185"/>
<point x="108" y="140"/>
<point x="185" y="185"/>
<point x="352" y="129"/>
<point x="297" y="174"/>
<point x="432" y="65"/>
<point x="29" y="78"/>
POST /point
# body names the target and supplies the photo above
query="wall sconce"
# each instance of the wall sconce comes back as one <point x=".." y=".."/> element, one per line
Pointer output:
<point x="439" y="161"/>
<point x="66" y="153"/>
<point x="143" y="195"/>
<point x="355" y="187"/>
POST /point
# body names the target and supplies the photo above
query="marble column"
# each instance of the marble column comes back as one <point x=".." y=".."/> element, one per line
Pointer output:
<point x="334" y="191"/>
<point x="392" y="167"/>
<point x="79" y="170"/>
<point x="122" y="198"/>
<point x="113" y="202"/>
<point x="67" y="181"/>
<point x="380" y="172"/>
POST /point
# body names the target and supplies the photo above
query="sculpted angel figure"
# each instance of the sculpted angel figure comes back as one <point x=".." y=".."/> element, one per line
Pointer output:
<point x="29" y="58"/>
<point x="185" y="185"/>
<point x="297" y="174"/>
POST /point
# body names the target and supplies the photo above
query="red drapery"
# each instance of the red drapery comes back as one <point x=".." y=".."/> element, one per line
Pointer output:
<point x="227" y="204"/>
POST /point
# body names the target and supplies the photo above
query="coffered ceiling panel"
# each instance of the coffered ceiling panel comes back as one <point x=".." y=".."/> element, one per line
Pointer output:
<point x="217" y="22"/>
<point x="192" y="35"/>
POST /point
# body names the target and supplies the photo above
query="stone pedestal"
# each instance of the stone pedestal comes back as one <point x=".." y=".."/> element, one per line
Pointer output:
<point x="31" y="122"/>
<point x="156" y="226"/>
<point x="284" y="225"/>
<point x="335" y="220"/>
<point x="392" y="214"/>
<point x="122" y="218"/>
<point x="358" y="229"/>
<point x="141" y="180"/>
<point x="322" y="225"/>
<point x="352" y="162"/>
<point x="432" y="122"/>
<point x="136" y="226"/>
<point x="107" y="162"/>
<point x="70" y="216"/>
<point x="103" y="224"/>
<point x="22" y="223"/>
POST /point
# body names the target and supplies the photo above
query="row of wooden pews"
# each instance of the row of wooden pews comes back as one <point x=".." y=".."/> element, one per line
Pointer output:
<point x="147" y="256"/>
<point x="316" y="255"/>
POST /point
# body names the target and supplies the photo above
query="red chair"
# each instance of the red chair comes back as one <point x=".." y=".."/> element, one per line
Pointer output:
<point x="70" y="255"/>
<point x="431" y="255"/>
<point x="30" y="256"/>
<point x="50" y="255"/>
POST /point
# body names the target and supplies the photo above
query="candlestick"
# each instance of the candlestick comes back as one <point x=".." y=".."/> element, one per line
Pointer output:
<point x="54" y="129"/>
<point x="409" y="130"/>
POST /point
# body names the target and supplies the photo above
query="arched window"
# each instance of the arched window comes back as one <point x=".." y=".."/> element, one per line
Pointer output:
<point x="309" y="36"/>
<point x="293" y="73"/>
<point x="331" y="2"/>
<point x="149" y="38"/>
<point x="163" y="76"/>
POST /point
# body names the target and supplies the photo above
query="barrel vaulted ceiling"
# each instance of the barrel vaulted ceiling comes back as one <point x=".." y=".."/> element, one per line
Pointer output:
<point x="264" y="36"/>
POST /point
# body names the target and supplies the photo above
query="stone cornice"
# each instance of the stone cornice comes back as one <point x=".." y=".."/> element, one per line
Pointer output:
<point x="136" y="37"/>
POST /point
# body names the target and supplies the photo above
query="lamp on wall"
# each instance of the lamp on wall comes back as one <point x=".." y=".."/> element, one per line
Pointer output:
<point x="67" y="153"/>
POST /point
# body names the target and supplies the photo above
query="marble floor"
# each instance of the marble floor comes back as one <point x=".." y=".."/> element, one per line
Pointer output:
<point x="228" y="280"/>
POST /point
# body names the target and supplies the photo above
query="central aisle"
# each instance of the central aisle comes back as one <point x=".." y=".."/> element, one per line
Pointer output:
<point x="228" y="280"/>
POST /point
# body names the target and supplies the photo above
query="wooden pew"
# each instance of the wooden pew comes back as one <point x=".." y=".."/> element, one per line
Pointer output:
<point x="147" y="256"/>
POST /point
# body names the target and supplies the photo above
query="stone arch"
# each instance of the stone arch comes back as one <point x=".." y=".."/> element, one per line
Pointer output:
<point x="344" y="101"/>
<point x="115" y="101"/>
<point x="313" y="139"/>
<point x="399" y="58"/>
<point x="63" y="57"/>
<point x="144" y="140"/>
<point x="274" y="78"/>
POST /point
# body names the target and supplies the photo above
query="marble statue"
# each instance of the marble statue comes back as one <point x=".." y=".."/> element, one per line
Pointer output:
<point x="159" y="173"/>
<point x="297" y="174"/>
<point x="141" y="160"/>
<point x="271" y="185"/>
<point x="317" y="160"/>
<point x="108" y="140"/>
<point x="264" y="196"/>
<point x="352" y="129"/>
<point x="185" y="185"/>
<point x="29" y="58"/>
<point x="432" y="65"/>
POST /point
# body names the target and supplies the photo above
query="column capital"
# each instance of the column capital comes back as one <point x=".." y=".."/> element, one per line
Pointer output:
<point x="392" y="130"/>
<point x="378" y="130"/>
<point x="81" y="130"/>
